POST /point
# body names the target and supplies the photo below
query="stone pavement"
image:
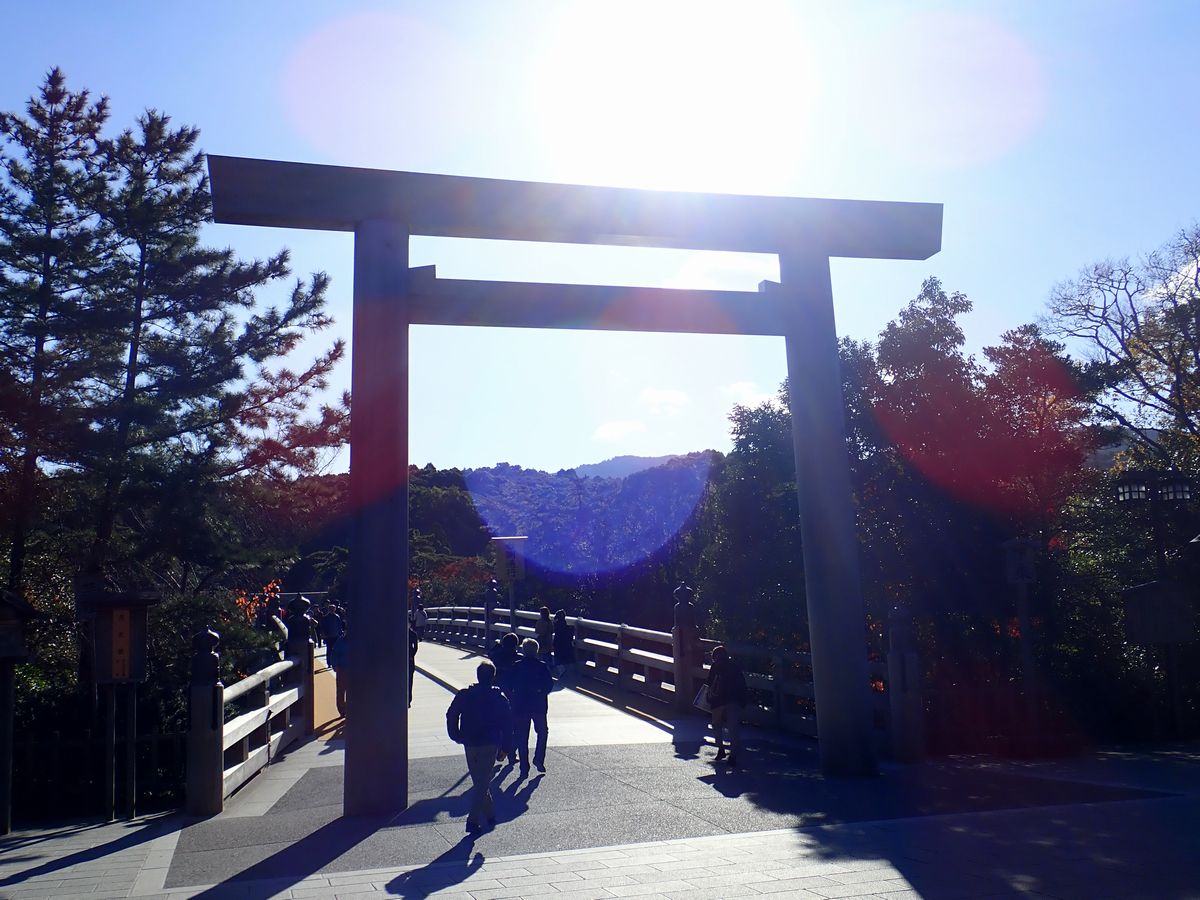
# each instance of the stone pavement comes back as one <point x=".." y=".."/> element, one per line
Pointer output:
<point x="632" y="806"/>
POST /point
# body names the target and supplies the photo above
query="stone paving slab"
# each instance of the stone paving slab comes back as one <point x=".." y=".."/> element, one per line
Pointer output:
<point x="1057" y="852"/>
<point x="588" y="803"/>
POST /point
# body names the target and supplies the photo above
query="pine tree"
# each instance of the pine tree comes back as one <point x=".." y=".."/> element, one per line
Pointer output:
<point x="197" y="395"/>
<point x="50" y="242"/>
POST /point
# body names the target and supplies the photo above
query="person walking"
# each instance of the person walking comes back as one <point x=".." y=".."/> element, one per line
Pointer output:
<point x="480" y="719"/>
<point x="726" y="696"/>
<point x="543" y="630"/>
<point x="418" y="618"/>
<point x="564" y="645"/>
<point x="337" y="657"/>
<point x="504" y="654"/>
<point x="531" y="683"/>
<point x="333" y="626"/>
<point x="413" y="644"/>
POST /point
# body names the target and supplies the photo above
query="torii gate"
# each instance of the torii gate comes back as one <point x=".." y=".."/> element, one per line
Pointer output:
<point x="384" y="209"/>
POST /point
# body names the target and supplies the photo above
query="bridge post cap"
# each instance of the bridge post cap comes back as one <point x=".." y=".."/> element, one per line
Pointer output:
<point x="683" y="593"/>
<point x="299" y="606"/>
<point x="206" y="641"/>
<point x="205" y="660"/>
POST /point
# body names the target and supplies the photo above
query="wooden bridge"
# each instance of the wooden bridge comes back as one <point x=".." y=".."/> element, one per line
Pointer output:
<point x="236" y="731"/>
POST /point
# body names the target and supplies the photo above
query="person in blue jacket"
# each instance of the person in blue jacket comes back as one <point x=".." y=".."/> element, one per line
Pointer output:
<point x="480" y="719"/>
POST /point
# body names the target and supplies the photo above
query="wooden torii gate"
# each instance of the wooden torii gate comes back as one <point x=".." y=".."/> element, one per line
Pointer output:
<point x="383" y="209"/>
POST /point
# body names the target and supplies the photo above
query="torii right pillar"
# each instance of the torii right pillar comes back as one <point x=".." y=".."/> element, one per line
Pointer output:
<point x="832" y="583"/>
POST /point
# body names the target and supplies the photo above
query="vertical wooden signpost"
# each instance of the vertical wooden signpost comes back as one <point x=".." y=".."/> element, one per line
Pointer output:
<point x="383" y="209"/>
<point x="119" y="633"/>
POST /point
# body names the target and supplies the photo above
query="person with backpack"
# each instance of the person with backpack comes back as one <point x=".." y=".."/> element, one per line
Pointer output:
<point x="480" y="719"/>
<point x="530" y="684"/>
<point x="726" y="695"/>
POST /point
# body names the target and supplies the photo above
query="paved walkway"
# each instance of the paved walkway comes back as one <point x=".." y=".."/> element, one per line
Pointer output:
<point x="632" y="806"/>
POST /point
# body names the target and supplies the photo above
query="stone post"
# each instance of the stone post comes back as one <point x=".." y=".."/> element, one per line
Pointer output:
<point x="904" y="689"/>
<point x="300" y="647"/>
<point x="205" y="757"/>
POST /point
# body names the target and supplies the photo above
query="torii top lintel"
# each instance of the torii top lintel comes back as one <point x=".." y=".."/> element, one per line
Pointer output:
<point x="337" y="198"/>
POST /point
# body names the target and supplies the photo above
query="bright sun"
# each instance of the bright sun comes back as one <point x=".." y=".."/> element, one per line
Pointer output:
<point x="684" y="95"/>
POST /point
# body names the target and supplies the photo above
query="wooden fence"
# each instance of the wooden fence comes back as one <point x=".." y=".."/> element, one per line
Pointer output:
<point x="649" y="662"/>
<point x="60" y="775"/>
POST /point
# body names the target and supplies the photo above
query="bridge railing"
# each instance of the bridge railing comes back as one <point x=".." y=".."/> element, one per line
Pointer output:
<point x="273" y="707"/>
<point x="654" y="664"/>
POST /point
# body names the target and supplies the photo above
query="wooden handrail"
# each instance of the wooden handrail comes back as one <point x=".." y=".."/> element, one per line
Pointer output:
<point x="262" y="676"/>
<point x="607" y="645"/>
<point x="222" y="756"/>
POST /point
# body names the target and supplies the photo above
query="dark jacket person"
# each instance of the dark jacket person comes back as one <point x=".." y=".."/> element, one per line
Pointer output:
<point x="479" y="718"/>
<point x="727" y="695"/>
<point x="529" y="686"/>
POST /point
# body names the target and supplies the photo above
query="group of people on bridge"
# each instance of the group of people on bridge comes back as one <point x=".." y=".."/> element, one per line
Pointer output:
<point x="494" y="717"/>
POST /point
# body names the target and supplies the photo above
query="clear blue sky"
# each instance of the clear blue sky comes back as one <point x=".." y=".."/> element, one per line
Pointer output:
<point x="1054" y="133"/>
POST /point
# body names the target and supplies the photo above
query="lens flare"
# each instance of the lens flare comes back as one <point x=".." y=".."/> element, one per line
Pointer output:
<point x="1014" y="467"/>
<point x="953" y="90"/>
<point x="584" y="526"/>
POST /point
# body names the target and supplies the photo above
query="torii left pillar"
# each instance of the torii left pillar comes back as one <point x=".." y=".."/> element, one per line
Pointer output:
<point x="377" y="719"/>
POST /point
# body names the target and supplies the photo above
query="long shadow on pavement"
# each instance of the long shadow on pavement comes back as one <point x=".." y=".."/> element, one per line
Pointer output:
<point x="452" y="867"/>
<point x="140" y="832"/>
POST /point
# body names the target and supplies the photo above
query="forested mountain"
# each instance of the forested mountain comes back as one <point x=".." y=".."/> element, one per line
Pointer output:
<point x="583" y="525"/>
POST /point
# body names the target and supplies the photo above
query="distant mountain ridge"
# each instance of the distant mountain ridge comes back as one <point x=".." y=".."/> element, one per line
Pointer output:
<point x="621" y="466"/>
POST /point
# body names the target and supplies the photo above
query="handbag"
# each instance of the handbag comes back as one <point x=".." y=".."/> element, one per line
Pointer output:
<point x="701" y="702"/>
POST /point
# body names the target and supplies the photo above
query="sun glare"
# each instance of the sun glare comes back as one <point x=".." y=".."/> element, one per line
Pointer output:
<point x="700" y="96"/>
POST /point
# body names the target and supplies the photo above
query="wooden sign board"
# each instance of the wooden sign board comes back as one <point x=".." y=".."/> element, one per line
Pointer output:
<point x="120" y="644"/>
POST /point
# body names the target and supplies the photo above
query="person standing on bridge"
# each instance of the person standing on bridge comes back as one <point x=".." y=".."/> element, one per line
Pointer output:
<point x="543" y="630"/>
<point x="413" y="643"/>
<point x="564" y="646"/>
<point x="337" y="657"/>
<point x="480" y="719"/>
<point x="726" y="696"/>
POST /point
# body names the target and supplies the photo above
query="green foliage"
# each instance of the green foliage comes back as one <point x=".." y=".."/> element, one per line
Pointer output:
<point x="152" y="424"/>
<point x="751" y="575"/>
<point x="51" y="246"/>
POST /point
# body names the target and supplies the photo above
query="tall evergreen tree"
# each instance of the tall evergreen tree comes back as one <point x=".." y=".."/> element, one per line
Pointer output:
<point x="50" y="243"/>
<point x="198" y="394"/>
